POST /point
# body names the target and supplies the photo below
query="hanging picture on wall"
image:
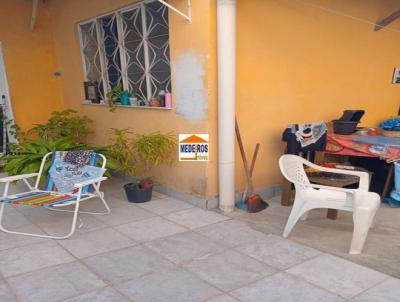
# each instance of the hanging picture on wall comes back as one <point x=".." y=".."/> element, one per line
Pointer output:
<point x="396" y="75"/>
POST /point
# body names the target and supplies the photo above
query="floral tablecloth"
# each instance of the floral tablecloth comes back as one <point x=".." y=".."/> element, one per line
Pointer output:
<point x="348" y="145"/>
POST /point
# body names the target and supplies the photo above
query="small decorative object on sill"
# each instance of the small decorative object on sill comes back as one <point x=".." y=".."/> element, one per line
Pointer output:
<point x="168" y="100"/>
<point x="134" y="101"/>
<point x="124" y="98"/>
<point x="155" y="102"/>
<point x="118" y="96"/>
<point x="161" y="96"/>
<point x="92" y="91"/>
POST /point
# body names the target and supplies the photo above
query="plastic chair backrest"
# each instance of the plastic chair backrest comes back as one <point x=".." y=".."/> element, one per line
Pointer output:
<point x="292" y="168"/>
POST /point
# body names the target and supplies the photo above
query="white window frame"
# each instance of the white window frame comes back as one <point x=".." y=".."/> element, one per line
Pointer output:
<point x="121" y="47"/>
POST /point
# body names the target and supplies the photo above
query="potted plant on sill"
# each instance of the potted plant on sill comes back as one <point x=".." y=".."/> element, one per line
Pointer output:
<point x="137" y="155"/>
<point x="118" y="94"/>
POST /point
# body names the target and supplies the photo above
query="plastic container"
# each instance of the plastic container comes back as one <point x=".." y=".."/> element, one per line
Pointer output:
<point x="161" y="96"/>
<point x="352" y="115"/>
<point x="344" y="127"/>
<point x="124" y="98"/>
<point x="136" y="194"/>
<point x="396" y="192"/>
<point x="168" y="100"/>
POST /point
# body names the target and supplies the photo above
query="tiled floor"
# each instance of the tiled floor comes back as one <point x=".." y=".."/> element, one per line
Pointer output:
<point x="168" y="250"/>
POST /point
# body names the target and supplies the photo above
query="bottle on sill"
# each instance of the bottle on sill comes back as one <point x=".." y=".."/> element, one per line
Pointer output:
<point x="168" y="100"/>
<point x="134" y="101"/>
<point x="161" y="96"/>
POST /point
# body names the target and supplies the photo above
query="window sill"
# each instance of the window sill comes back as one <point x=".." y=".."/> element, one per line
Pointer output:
<point x="125" y="106"/>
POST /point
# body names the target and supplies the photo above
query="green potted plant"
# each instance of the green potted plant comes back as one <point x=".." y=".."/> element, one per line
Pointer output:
<point x="64" y="131"/>
<point x="118" y="94"/>
<point x="137" y="156"/>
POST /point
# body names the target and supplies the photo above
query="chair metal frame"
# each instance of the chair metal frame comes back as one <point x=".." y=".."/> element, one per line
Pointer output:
<point x="79" y="197"/>
<point x="360" y="201"/>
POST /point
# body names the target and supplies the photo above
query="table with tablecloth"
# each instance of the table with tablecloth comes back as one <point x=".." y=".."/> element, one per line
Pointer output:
<point x="386" y="148"/>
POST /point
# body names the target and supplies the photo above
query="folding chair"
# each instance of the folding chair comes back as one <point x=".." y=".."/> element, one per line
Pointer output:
<point x="84" y="185"/>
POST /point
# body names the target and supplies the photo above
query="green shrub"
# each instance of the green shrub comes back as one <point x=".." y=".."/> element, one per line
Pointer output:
<point x="26" y="156"/>
<point x="121" y="149"/>
<point x="63" y="124"/>
<point x="138" y="154"/>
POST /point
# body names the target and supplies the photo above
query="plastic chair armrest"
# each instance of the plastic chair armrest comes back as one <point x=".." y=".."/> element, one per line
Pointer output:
<point x="364" y="176"/>
<point x="315" y="186"/>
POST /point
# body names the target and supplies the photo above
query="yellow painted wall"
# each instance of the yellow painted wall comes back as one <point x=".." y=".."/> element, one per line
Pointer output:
<point x="296" y="63"/>
<point x="30" y="63"/>
<point x="187" y="42"/>
<point x="300" y="63"/>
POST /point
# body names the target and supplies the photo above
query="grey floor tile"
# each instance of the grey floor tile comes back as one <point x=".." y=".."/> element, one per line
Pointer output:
<point x="195" y="217"/>
<point x="184" y="247"/>
<point x="337" y="275"/>
<point x="157" y="195"/>
<point x="283" y="287"/>
<point x="13" y="218"/>
<point x="387" y="291"/>
<point x="176" y="286"/>
<point x="6" y="294"/>
<point x="222" y="298"/>
<point x="278" y="252"/>
<point x="150" y="229"/>
<point x="32" y="257"/>
<point x="59" y="227"/>
<point x="231" y="233"/>
<point x="8" y="241"/>
<point x="41" y="215"/>
<point x="125" y="264"/>
<point x="165" y="206"/>
<point x="103" y="295"/>
<point x="55" y="283"/>
<point x="229" y="270"/>
<point x="125" y="214"/>
<point x="96" y="242"/>
<point x="97" y="206"/>
<point x="117" y="194"/>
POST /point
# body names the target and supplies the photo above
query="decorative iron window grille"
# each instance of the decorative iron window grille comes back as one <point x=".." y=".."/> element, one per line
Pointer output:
<point x="128" y="47"/>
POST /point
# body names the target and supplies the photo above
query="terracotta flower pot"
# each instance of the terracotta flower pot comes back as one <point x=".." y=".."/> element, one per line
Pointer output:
<point x="146" y="185"/>
<point x="155" y="103"/>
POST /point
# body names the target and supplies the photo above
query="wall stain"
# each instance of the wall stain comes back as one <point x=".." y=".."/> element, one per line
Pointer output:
<point x="190" y="95"/>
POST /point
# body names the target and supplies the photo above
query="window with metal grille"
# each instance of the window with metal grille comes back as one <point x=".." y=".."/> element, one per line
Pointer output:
<point x="128" y="47"/>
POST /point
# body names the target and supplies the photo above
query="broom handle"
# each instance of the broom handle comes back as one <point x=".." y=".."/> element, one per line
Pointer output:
<point x="243" y="154"/>
<point x="249" y="190"/>
<point x="253" y="161"/>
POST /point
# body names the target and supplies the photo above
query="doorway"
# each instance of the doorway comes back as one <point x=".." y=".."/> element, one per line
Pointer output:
<point x="6" y="112"/>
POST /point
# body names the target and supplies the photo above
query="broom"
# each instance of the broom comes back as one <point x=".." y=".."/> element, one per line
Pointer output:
<point x="251" y="202"/>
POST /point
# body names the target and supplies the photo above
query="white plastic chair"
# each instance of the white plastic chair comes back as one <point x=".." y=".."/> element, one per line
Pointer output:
<point x="82" y="194"/>
<point x="309" y="196"/>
